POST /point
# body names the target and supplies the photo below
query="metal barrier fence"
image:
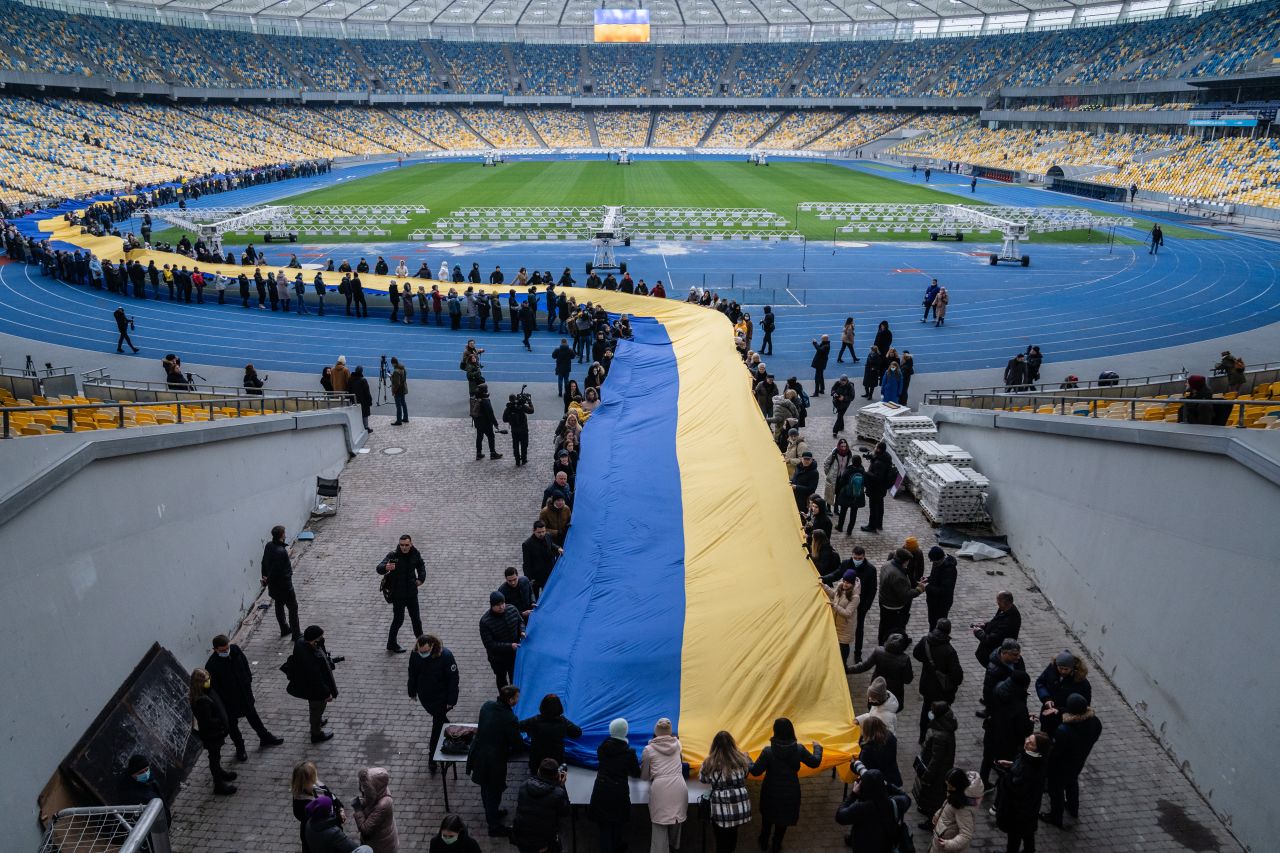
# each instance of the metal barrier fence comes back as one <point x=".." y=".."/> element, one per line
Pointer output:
<point x="1142" y="386"/>
<point x="155" y="392"/>
<point x="1097" y="406"/>
<point x="94" y="829"/>
<point x="31" y="382"/>
<point x="253" y="405"/>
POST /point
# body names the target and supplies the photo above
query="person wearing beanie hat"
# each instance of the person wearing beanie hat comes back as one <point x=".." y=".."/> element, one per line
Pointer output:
<point x="915" y="563"/>
<point x="340" y="376"/>
<point x="610" y="806"/>
<point x="844" y="598"/>
<point x="882" y="704"/>
<point x="804" y="481"/>
<point x="501" y="632"/>
<point x="897" y="591"/>
<point x="940" y="585"/>
<point x="1008" y="722"/>
<point x="794" y="449"/>
<point x="1073" y="741"/>
<point x="941" y="673"/>
<point x="662" y="765"/>
<point x="1067" y="674"/>
<point x="139" y="785"/>
<point x="891" y="662"/>
<point x="310" y="671"/>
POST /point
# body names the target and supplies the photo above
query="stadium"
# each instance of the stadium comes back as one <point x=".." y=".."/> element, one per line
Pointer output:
<point x="336" y="242"/>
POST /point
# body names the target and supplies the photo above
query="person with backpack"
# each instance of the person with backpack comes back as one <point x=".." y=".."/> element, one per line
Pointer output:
<point x="433" y="681"/>
<point x="403" y="571"/>
<point x="1233" y="368"/>
<point x="767" y="325"/>
<point x="874" y="812"/>
<point x="310" y="673"/>
<point x="484" y="421"/>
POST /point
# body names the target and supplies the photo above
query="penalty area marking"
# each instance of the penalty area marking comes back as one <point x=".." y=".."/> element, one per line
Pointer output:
<point x="445" y="245"/>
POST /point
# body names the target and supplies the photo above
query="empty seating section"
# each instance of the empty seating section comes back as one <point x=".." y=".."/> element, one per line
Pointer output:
<point x="307" y="123"/>
<point x="694" y="69"/>
<point x="859" y="129"/>
<point x="620" y="71"/>
<point x="561" y="128"/>
<point x="1058" y="52"/>
<point x="1128" y="43"/>
<point x="178" y="54"/>
<point x="548" y="69"/>
<point x="439" y="125"/>
<point x="42" y="41"/>
<point x="910" y="65"/>
<point x="763" y="69"/>
<point x="797" y="129"/>
<point x="31" y="419"/>
<point x="740" y="129"/>
<point x="1036" y="151"/>
<point x="398" y="67"/>
<point x="837" y="69"/>
<point x="259" y="139"/>
<point x="501" y="127"/>
<point x="1160" y="408"/>
<point x="376" y="126"/>
<point x="476" y="68"/>
<point x="325" y="61"/>
<point x="681" y="128"/>
<point x="250" y="58"/>
<point x="622" y="128"/>
<point x="1232" y="40"/>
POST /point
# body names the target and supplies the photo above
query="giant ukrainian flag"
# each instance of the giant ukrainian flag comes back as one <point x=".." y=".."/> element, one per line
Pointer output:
<point x="683" y="591"/>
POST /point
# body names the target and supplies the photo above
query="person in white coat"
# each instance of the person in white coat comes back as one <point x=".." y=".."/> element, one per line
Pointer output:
<point x="952" y="825"/>
<point x="662" y="766"/>
<point x="443" y="275"/>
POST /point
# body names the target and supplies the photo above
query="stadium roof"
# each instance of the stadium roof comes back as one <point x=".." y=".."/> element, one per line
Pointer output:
<point x="672" y="20"/>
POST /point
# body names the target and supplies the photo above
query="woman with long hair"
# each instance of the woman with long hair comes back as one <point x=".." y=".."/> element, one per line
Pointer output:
<point x="305" y="786"/>
<point x="571" y="392"/>
<point x="779" y="763"/>
<point x="846" y="341"/>
<point x="212" y="727"/>
<point x="547" y="731"/>
<point x="953" y="824"/>
<point x="453" y="837"/>
<point x="725" y="770"/>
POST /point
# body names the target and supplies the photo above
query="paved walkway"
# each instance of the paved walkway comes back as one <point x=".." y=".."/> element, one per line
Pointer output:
<point x="468" y="519"/>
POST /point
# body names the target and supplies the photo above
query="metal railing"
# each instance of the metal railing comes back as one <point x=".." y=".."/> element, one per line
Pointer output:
<point x="201" y="389"/>
<point x="955" y="396"/>
<point x="253" y="404"/>
<point x="126" y="829"/>
<point x="1100" y="406"/>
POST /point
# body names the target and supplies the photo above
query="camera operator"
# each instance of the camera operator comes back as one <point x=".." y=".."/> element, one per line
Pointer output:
<point x="516" y="415"/>
<point x="124" y="324"/>
<point x="483" y="419"/>
<point x="252" y="383"/>
<point x="173" y="375"/>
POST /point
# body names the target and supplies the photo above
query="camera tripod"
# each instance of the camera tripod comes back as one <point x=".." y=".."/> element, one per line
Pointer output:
<point x="382" y="381"/>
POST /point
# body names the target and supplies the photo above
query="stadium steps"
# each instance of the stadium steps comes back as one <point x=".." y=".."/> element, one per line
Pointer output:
<point x="422" y="134"/>
<point x="583" y="59"/>
<point x="944" y="68"/>
<point x="533" y="131"/>
<point x="873" y="69"/>
<point x="801" y="71"/>
<point x="654" y="83"/>
<point x="830" y="131"/>
<point x="590" y="117"/>
<point x="653" y="123"/>
<point x="462" y="121"/>
<point x="731" y="69"/>
<point x="782" y="114"/>
<point x="711" y="128"/>
<point x="363" y="67"/>
<point x="516" y="82"/>
<point x="71" y="133"/>
<point x="438" y="65"/>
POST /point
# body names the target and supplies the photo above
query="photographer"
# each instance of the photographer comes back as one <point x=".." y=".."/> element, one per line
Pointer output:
<point x="516" y="415"/>
<point x="252" y="384"/>
<point x="483" y="419"/>
<point x="124" y="324"/>
<point x="310" y="673"/>
<point x="399" y="391"/>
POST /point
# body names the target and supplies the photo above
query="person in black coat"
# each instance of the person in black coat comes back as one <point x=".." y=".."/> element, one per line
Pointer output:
<point x="891" y="663"/>
<point x="358" y="386"/>
<point x="122" y="326"/>
<point x="540" y="806"/>
<point x="433" y="681"/>
<point x="1007" y="723"/>
<point x="872" y="812"/>
<point x="310" y="672"/>
<point x="780" y="763"/>
<point x="140" y="786"/>
<point x="1019" y="791"/>
<point x="233" y="682"/>
<point x="1001" y="664"/>
<point x="518" y="592"/>
<point x="941" y="674"/>
<point x="884" y="338"/>
<point x="878" y="749"/>
<point x="563" y="356"/>
<point x="804" y="482"/>
<point x="1067" y="674"/>
<point x="1005" y="625"/>
<point x="277" y="577"/>
<point x="871" y="372"/>
<point x="484" y="421"/>
<point x="405" y="571"/>
<point x="516" y="415"/>
<point x="1015" y="374"/>
<point x="880" y="477"/>
<point x="610" y="806"/>
<point x="1072" y="743"/>
<point x="500" y="633"/>
<point x="497" y="736"/>
<point x="940" y="585"/>
<point x="211" y="727"/>
<point x="538" y="556"/>
<point x="453" y="837"/>
<point x="821" y="354"/>
<point x="547" y="731"/>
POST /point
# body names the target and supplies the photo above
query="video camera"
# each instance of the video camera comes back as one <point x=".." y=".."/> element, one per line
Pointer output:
<point x="523" y="397"/>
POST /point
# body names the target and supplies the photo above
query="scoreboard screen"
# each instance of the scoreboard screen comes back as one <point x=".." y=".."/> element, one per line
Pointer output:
<point x="622" y="25"/>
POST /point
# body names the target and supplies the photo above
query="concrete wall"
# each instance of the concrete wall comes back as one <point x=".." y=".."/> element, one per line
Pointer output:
<point x="1156" y="543"/>
<point x="122" y="540"/>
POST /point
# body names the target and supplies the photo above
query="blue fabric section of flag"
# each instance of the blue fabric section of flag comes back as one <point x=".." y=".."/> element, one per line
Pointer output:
<point x="608" y="632"/>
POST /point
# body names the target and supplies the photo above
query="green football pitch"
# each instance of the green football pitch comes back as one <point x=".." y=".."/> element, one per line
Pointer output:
<point x="445" y="187"/>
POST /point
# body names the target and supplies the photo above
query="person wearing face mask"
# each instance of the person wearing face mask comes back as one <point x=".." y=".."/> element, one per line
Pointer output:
<point x="453" y="837"/>
<point x="211" y="727"/>
<point x="140" y="785"/>
<point x="233" y="682"/>
<point x="433" y="681"/>
<point x="1019" y="791"/>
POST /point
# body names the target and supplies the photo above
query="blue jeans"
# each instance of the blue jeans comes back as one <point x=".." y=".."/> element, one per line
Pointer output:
<point x="562" y="384"/>
<point x="402" y="408"/>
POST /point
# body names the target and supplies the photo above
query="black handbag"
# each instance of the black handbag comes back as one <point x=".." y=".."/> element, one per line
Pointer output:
<point x="457" y="740"/>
